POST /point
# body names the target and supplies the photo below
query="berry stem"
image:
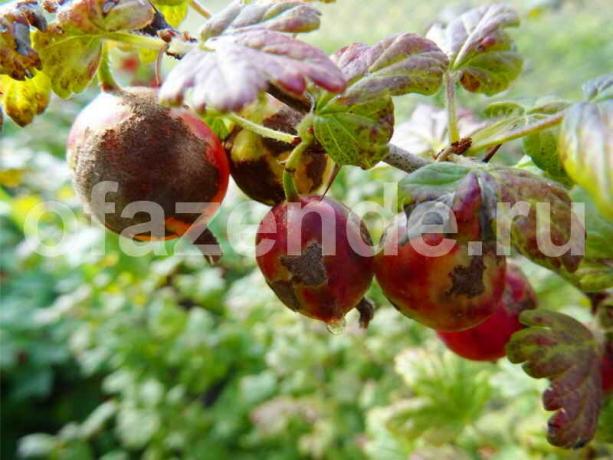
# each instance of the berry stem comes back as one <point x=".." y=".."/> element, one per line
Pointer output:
<point x="516" y="133"/>
<point x="262" y="130"/>
<point x="403" y="160"/>
<point x="105" y="75"/>
<point x="452" y="114"/>
<point x="200" y="9"/>
<point x="293" y="161"/>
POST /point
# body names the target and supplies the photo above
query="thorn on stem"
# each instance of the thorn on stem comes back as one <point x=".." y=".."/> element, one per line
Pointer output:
<point x="490" y="154"/>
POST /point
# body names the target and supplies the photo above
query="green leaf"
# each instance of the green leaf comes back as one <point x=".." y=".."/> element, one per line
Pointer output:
<point x="561" y="349"/>
<point x="448" y="394"/>
<point x="593" y="275"/>
<point x="71" y="62"/>
<point x="220" y="126"/>
<point x="479" y="49"/>
<point x="23" y="100"/>
<point x="498" y="109"/>
<point x="542" y="147"/>
<point x="599" y="88"/>
<point x="586" y="150"/>
<point x="599" y="228"/>
<point x="355" y="134"/>
<point x="431" y="182"/>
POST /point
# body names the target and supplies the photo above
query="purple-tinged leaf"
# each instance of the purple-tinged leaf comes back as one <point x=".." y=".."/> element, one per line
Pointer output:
<point x="599" y="88"/>
<point x="528" y="232"/>
<point x="479" y="48"/>
<point x="561" y="349"/>
<point x="17" y="58"/>
<point x="354" y="127"/>
<point x="586" y="150"/>
<point x="593" y="275"/>
<point x="286" y="16"/>
<point x="235" y="68"/>
<point x="397" y="65"/>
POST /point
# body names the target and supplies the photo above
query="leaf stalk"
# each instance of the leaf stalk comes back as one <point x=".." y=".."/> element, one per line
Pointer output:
<point x="262" y="130"/>
<point x="452" y="111"/>
<point x="518" y="133"/>
<point x="291" y="166"/>
<point x="105" y="75"/>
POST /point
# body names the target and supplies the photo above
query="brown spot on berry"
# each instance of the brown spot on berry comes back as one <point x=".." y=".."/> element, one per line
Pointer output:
<point x="307" y="268"/>
<point x="468" y="281"/>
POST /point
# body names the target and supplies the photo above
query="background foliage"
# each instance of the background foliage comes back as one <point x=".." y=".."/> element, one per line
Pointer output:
<point x="107" y="356"/>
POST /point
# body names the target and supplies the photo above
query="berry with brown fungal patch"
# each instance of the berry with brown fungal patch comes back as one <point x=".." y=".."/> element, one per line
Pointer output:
<point x="487" y="341"/>
<point x="316" y="255"/>
<point x="153" y="154"/>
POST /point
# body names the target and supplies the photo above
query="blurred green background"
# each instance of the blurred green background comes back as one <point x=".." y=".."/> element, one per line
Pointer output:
<point x="162" y="357"/>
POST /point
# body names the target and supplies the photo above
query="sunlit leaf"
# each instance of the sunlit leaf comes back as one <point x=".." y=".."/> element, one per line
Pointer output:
<point x="586" y="149"/>
<point x="70" y="61"/>
<point x="23" y="100"/>
<point x="561" y="349"/>
<point x="174" y="13"/>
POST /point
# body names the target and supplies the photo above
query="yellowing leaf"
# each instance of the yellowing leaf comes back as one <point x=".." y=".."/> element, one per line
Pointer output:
<point x="23" y="100"/>
<point x="174" y="14"/>
<point x="70" y="61"/>
<point x="586" y="150"/>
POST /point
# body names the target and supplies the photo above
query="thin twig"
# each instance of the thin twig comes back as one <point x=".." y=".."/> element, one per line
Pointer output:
<point x="403" y="160"/>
